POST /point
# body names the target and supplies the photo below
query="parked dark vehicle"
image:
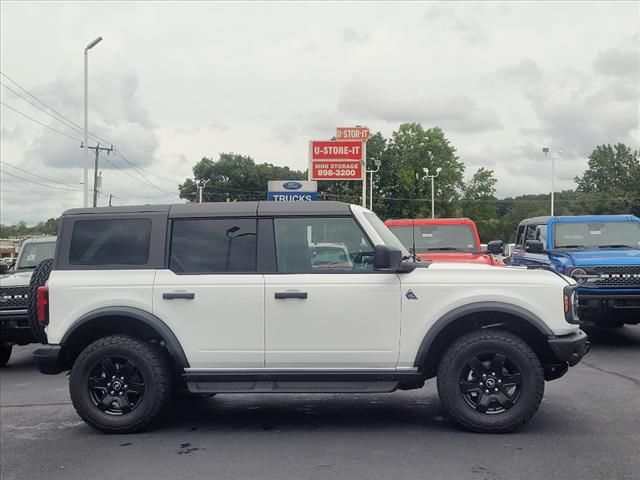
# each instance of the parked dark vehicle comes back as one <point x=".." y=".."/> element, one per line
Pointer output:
<point x="16" y="325"/>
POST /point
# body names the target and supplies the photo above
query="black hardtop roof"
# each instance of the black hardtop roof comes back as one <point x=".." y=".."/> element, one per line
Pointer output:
<point x="536" y="220"/>
<point x="224" y="209"/>
<point x="575" y="218"/>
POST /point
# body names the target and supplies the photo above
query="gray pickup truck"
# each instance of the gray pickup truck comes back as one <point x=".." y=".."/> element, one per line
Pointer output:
<point x="15" y="327"/>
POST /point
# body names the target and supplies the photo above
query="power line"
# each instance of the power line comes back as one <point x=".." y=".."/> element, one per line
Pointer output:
<point x="39" y="176"/>
<point x="138" y="179"/>
<point x="38" y="183"/>
<point x="78" y="128"/>
<point x="40" y="123"/>
<point x="41" y="109"/>
<point x="78" y="140"/>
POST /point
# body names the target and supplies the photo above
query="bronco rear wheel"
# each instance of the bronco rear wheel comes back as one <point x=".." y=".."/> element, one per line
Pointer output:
<point x="120" y="384"/>
<point x="490" y="381"/>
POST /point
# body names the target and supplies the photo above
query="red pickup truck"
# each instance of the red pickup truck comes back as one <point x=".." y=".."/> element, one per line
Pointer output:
<point x="445" y="240"/>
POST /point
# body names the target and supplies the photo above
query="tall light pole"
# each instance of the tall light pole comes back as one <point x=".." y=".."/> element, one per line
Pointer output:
<point x="201" y="186"/>
<point x="432" y="177"/>
<point x="545" y="150"/>
<point x="86" y="119"/>
<point x="378" y="163"/>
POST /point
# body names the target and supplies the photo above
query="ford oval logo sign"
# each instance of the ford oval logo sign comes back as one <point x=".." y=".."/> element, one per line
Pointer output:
<point x="292" y="185"/>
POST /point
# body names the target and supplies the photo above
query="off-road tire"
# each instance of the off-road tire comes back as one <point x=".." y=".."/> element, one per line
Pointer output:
<point x="39" y="278"/>
<point x="153" y="367"/>
<point x="485" y="342"/>
<point x="5" y="354"/>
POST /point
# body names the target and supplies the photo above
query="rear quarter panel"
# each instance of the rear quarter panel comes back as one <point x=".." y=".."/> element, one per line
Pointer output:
<point x="73" y="294"/>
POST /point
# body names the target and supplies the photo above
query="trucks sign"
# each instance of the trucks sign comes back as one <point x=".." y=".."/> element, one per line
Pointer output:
<point x="292" y="191"/>
<point x="336" y="160"/>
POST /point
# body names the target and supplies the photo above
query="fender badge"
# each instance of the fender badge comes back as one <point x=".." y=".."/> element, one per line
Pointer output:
<point x="410" y="295"/>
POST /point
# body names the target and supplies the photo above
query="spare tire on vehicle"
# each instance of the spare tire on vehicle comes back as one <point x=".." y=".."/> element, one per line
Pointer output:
<point x="39" y="278"/>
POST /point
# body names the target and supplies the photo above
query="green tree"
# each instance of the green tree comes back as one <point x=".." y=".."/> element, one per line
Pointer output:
<point x="611" y="183"/>
<point x="402" y="181"/>
<point x="479" y="202"/>
<point x="234" y="177"/>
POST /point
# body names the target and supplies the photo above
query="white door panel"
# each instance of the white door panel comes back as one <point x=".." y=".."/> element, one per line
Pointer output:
<point x="223" y="325"/>
<point x="346" y="321"/>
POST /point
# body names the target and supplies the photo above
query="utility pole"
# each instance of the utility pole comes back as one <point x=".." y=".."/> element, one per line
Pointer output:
<point x="201" y="186"/>
<point x="97" y="149"/>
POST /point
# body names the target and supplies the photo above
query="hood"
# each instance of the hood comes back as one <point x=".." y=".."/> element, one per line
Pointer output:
<point x="465" y="257"/>
<point x="16" y="279"/>
<point x="605" y="256"/>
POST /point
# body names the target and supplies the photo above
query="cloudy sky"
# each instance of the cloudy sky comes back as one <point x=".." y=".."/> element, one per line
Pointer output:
<point x="175" y="81"/>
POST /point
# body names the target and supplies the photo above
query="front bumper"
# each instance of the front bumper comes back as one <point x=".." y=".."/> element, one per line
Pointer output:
<point x="570" y="348"/>
<point x="48" y="359"/>
<point x="14" y="327"/>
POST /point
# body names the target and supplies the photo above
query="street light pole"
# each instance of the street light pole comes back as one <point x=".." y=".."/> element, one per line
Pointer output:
<point x="378" y="163"/>
<point x="86" y="119"/>
<point x="545" y="150"/>
<point x="201" y="186"/>
<point x="432" y="177"/>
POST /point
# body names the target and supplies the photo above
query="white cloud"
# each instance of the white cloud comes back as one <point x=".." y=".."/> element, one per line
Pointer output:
<point x="502" y="80"/>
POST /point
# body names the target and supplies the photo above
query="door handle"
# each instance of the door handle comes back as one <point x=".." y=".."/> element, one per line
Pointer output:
<point x="175" y="295"/>
<point x="285" y="295"/>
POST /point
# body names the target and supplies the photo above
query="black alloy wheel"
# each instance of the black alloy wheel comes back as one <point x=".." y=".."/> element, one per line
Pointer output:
<point x="491" y="383"/>
<point x="116" y="385"/>
<point x="120" y="384"/>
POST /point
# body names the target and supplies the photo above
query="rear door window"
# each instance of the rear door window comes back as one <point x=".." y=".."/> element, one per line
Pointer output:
<point x="213" y="245"/>
<point x="110" y="242"/>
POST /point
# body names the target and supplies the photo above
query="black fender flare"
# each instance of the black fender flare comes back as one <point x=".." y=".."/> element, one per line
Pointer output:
<point x="472" y="308"/>
<point x="162" y="329"/>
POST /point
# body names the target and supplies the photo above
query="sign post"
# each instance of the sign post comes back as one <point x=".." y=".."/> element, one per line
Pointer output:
<point x="362" y="134"/>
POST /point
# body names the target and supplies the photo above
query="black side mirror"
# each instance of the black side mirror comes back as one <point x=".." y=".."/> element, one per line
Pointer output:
<point x="386" y="258"/>
<point x="534" y="246"/>
<point x="495" y="247"/>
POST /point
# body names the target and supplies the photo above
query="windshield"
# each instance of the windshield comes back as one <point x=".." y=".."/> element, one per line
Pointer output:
<point x="34" y="253"/>
<point x="598" y="235"/>
<point x="430" y="238"/>
<point x="387" y="236"/>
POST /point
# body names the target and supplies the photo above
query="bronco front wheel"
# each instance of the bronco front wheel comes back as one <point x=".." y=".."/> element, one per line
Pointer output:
<point x="490" y="381"/>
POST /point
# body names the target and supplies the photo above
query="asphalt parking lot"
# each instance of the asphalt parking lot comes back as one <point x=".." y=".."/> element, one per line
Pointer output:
<point x="588" y="427"/>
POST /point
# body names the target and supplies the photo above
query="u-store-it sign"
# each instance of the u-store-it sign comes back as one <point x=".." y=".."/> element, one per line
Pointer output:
<point x="336" y="160"/>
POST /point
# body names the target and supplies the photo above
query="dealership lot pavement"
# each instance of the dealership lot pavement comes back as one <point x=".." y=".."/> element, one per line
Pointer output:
<point x="587" y="427"/>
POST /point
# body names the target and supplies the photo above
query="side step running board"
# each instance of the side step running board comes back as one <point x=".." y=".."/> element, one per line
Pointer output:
<point x="301" y="382"/>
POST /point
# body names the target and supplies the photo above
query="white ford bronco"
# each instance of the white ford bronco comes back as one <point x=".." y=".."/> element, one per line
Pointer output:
<point x="232" y="298"/>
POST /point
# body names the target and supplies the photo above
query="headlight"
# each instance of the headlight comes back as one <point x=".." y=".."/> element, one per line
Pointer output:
<point x="570" y="300"/>
<point x="579" y="275"/>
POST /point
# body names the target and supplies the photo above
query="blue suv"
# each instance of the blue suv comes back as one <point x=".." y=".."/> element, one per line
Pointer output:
<point x="601" y="252"/>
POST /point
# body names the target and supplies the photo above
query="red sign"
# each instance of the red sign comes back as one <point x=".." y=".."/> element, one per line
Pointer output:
<point x="336" y="160"/>
<point x="334" y="150"/>
<point x="352" y="133"/>
<point x="336" y="170"/>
